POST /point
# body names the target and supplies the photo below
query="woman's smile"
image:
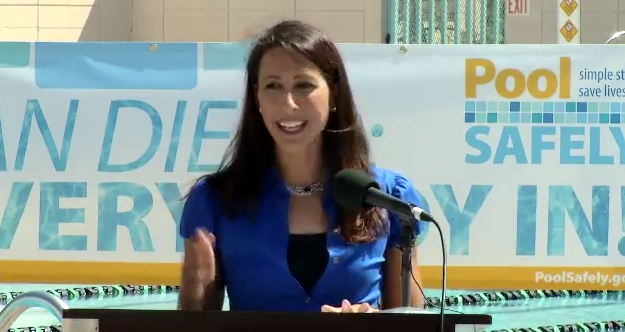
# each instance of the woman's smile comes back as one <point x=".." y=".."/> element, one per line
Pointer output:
<point x="292" y="127"/>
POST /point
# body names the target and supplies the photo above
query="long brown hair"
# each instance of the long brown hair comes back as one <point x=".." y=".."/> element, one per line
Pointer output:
<point x="251" y="154"/>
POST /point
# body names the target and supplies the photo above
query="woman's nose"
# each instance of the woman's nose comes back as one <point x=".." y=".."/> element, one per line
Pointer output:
<point x="289" y="101"/>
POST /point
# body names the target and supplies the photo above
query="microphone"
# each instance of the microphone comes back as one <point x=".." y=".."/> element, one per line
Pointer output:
<point x="357" y="190"/>
<point x="354" y="189"/>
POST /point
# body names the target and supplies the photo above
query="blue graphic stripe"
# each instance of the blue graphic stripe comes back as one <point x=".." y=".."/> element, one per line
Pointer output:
<point x="578" y="112"/>
<point x="174" y="66"/>
<point x="225" y="56"/>
<point x="14" y="54"/>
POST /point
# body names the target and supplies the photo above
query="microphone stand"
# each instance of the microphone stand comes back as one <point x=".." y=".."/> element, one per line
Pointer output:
<point x="406" y="244"/>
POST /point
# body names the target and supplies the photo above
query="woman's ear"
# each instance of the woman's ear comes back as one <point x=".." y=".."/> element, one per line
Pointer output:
<point x="332" y="104"/>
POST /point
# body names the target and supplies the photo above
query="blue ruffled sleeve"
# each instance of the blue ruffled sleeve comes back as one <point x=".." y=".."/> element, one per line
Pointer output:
<point x="403" y="189"/>
<point x="198" y="211"/>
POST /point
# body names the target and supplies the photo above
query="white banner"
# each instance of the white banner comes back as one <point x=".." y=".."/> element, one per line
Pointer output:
<point x="514" y="149"/>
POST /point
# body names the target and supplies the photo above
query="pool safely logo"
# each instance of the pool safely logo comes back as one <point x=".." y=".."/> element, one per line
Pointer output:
<point x="483" y="72"/>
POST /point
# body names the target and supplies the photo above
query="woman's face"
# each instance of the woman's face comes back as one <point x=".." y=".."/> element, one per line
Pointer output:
<point x="294" y="99"/>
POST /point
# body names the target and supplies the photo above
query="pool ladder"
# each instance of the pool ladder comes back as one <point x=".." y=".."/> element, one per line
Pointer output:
<point x="29" y="300"/>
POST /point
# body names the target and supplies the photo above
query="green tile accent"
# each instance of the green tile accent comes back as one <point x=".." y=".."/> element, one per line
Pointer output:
<point x="14" y="54"/>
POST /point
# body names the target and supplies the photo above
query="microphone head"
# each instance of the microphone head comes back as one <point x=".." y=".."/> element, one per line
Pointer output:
<point x="349" y="188"/>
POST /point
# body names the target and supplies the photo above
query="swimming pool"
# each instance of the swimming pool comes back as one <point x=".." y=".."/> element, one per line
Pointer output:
<point x="582" y="310"/>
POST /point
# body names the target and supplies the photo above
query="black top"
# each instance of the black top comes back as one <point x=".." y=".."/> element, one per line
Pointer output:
<point x="307" y="257"/>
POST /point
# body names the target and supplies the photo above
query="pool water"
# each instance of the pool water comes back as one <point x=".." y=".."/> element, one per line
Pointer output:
<point x="506" y="315"/>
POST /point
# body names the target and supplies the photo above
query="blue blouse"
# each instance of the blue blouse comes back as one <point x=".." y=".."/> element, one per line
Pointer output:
<point x="253" y="254"/>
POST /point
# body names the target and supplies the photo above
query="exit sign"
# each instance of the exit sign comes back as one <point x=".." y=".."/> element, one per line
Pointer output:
<point x="518" y="7"/>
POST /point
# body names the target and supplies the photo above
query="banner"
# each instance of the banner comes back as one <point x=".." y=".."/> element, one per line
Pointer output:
<point x="516" y="150"/>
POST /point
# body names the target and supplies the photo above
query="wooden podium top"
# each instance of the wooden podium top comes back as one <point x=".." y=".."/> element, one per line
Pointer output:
<point x="111" y="320"/>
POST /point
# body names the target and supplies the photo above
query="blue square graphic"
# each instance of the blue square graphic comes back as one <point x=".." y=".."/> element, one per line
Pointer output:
<point x="615" y="107"/>
<point x="515" y="117"/>
<point x="615" y="118"/>
<point x="492" y="106"/>
<point x="593" y="107"/>
<point x="547" y="117"/>
<point x="537" y="107"/>
<point x="593" y="118"/>
<point x="116" y="66"/>
<point x="504" y="106"/>
<point x="570" y="118"/>
<point x="570" y="107"/>
<point x="559" y="117"/>
<point x="582" y="107"/>
<point x="515" y="106"/>
<point x="537" y="118"/>
<point x="582" y="118"/>
<point x="604" y="118"/>
<point x="469" y="117"/>
<point x="548" y="106"/>
<point x="604" y="107"/>
<point x="480" y="106"/>
<point x="526" y="118"/>
<point x="559" y="107"/>
<point x="491" y="118"/>
<point x="469" y="106"/>
<point x="526" y="106"/>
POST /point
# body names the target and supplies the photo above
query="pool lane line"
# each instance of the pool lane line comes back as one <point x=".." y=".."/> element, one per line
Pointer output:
<point x="484" y="298"/>
<point x="487" y="298"/>
<point x="52" y="328"/>
<point x="607" y="326"/>
<point x="94" y="292"/>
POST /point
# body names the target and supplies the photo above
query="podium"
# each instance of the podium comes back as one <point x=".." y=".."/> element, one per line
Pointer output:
<point x="112" y="320"/>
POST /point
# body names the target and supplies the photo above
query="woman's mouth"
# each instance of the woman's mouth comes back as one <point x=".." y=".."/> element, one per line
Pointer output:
<point x="292" y="127"/>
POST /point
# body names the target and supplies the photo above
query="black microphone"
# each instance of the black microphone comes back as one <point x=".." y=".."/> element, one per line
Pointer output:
<point x="357" y="190"/>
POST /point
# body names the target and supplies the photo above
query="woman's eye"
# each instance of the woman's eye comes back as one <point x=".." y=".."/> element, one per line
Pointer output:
<point x="272" y="86"/>
<point x="305" y="86"/>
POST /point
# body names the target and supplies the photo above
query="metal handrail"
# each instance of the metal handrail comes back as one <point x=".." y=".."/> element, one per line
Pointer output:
<point x="28" y="300"/>
<point x="615" y="36"/>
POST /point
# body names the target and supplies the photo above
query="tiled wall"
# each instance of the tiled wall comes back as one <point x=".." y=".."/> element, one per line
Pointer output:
<point x="184" y="20"/>
<point x="65" y="20"/>
<point x="599" y="20"/>
<point x="230" y="20"/>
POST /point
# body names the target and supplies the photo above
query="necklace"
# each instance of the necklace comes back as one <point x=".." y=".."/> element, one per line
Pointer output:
<point x="305" y="190"/>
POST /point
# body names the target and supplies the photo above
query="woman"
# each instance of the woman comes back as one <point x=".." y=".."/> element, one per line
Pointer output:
<point x="265" y="225"/>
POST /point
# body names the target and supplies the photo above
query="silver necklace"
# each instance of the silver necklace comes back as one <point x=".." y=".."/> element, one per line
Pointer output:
<point x="305" y="190"/>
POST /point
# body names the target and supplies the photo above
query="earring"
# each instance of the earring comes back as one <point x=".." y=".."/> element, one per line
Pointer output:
<point x="333" y="109"/>
<point x="260" y="110"/>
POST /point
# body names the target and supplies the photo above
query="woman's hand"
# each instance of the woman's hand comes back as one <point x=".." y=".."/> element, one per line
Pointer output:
<point x="204" y="253"/>
<point x="198" y="271"/>
<point x="347" y="307"/>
